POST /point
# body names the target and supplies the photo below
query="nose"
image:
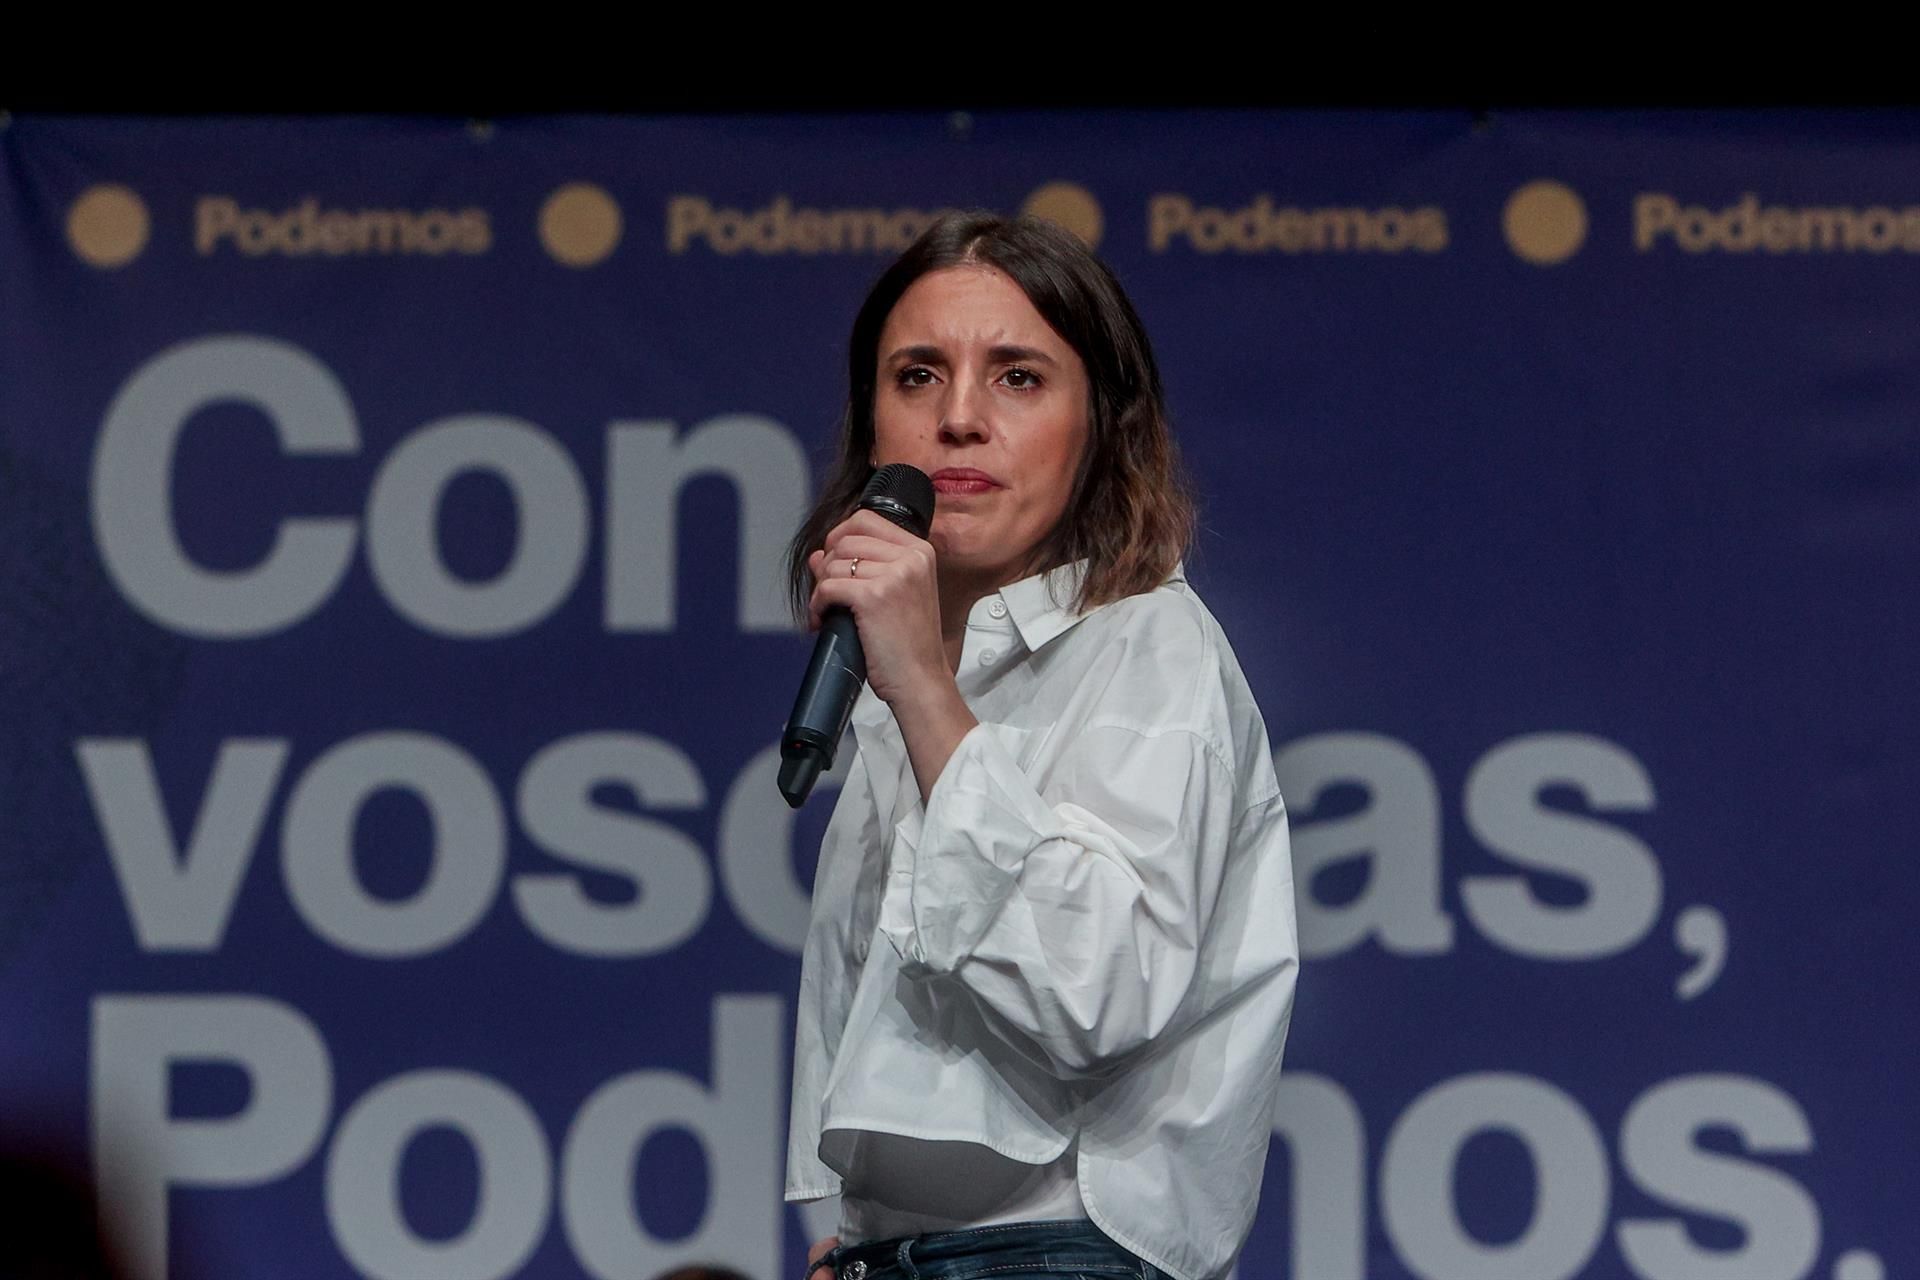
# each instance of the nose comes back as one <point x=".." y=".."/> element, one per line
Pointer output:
<point x="962" y="417"/>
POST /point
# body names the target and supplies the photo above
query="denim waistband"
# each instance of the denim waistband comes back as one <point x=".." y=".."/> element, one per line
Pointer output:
<point x="1068" y="1244"/>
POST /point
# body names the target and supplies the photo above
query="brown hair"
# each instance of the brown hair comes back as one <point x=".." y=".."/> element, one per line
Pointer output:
<point x="1130" y="514"/>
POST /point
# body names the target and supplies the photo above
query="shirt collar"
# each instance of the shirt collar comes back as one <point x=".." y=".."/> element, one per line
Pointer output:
<point x="1042" y="606"/>
<point x="1041" y="609"/>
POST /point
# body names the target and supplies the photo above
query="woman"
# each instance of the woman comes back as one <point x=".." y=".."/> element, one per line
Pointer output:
<point x="1052" y="957"/>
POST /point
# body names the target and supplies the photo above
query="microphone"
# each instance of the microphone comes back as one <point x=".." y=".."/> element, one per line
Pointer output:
<point x="904" y="495"/>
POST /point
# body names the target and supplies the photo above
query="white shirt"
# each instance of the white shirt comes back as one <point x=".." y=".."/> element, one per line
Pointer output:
<point x="1086" y="933"/>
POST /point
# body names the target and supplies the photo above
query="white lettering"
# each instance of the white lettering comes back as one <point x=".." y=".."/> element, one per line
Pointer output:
<point x="466" y="860"/>
<point x="1659" y="1147"/>
<point x="1570" y="1180"/>
<point x="132" y="487"/>
<point x="140" y="1150"/>
<point x="648" y="467"/>
<point x="732" y="1121"/>
<point x="363" y="1178"/>
<point x="1619" y="874"/>
<point x="646" y="471"/>
<point x="176" y="903"/>
<point x="672" y="886"/>
<point x="756" y="851"/>
<point x="403" y="514"/>
<point x="1327" y="1140"/>
<point x="1398" y="832"/>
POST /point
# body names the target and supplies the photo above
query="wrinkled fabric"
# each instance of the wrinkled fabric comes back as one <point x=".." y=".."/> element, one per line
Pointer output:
<point x="1086" y="932"/>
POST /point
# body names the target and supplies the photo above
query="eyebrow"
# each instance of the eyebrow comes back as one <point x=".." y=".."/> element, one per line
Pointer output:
<point x="1004" y="354"/>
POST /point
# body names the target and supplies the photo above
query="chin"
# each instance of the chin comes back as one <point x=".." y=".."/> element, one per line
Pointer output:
<point x="950" y="552"/>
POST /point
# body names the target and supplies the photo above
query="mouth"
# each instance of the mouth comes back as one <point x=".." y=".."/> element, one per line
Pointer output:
<point x="962" y="480"/>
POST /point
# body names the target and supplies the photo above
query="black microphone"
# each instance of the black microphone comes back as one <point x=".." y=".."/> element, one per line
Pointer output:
<point x="904" y="495"/>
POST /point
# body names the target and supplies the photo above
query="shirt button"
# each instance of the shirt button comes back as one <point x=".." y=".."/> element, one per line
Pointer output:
<point x="987" y="656"/>
<point x="998" y="608"/>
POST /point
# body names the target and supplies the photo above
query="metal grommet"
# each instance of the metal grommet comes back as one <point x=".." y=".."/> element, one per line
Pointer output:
<point x="856" y="1270"/>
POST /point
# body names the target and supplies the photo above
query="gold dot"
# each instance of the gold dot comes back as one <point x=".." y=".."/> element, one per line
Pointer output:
<point x="108" y="225"/>
<point x="580" y="224"/>
<point x="1070" y="205"/>
<point x="1545" y="222"/>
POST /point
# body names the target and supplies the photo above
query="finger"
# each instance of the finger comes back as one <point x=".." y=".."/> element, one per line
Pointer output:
<point x="817" y="603"/>
<point x="870" y="524"/>
<point x="850" y="593"/>
<point x="847" y="592"/>
<point x="865" y="549"/>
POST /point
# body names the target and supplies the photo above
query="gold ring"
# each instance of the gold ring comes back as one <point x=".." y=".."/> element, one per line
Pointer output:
<point x="853" y="569"/>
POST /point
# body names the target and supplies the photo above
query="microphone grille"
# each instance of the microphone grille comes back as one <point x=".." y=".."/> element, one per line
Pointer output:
<point x="905" y="488"/>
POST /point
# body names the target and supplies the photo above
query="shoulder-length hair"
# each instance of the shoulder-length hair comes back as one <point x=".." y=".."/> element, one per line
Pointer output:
<point x="1130" y="515"/>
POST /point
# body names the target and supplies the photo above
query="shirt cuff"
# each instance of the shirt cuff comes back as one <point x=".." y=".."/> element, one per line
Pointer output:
<point x="956" y="860"/>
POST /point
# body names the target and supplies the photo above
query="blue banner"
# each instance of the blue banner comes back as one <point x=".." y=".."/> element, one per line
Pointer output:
<point x="392" y="652"/>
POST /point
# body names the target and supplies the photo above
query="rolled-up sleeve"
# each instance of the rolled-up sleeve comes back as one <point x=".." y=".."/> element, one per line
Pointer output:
<point x="1077" y="915"/>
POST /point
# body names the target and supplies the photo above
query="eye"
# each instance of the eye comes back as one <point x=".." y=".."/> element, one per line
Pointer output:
<point x="914" y="375"/>
<point x="1021" y="378"/>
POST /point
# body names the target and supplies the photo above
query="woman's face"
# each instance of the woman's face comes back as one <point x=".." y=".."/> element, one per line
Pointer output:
<point x="978" y="391"/>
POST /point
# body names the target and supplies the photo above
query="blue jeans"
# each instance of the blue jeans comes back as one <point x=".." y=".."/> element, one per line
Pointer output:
<point x="1065" y="1248"/>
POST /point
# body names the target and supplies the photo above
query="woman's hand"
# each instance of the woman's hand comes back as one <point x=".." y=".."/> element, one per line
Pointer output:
<point x="820" y="1250"/>
<point x="888" y="578"/>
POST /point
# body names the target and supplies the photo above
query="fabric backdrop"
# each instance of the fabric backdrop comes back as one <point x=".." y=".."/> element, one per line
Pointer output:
<point x="392" y="878"/>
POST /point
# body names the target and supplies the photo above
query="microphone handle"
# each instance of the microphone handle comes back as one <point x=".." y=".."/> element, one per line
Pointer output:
<point x="827" y="695"/>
